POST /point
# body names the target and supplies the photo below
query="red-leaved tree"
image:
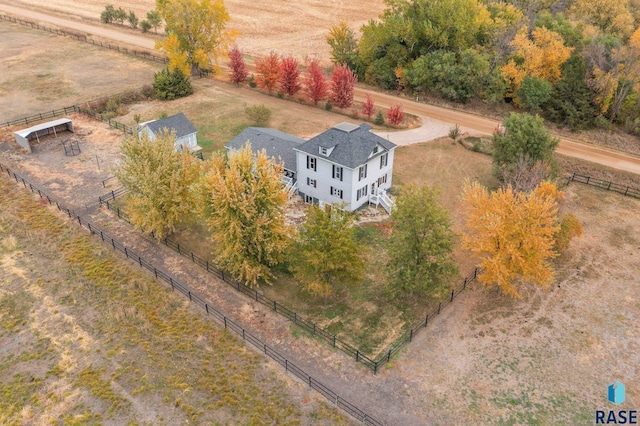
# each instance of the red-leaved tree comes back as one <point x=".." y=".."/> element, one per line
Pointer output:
<point x="368" y="107"/>
<point x="343" y="82"/>
<point x="290" y="78"/>
<point x="269" y="71"/>
<point x="395" y="115"/>
<point x="237" y="68"/>
<point x="315" y="84"/>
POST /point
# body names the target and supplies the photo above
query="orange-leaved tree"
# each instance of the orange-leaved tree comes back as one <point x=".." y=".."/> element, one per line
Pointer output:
<point x="513" y="234"/>
<point x="541" y="56"/>
<point x="269" y="69"/>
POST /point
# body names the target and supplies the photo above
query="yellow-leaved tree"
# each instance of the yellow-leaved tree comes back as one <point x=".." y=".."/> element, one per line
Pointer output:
<point x="196" y="33"/>
<point x="162" y="183"/>
<point x="540" y="56"/>
<point x="244" y="203"/>
<point x="513" y="234"/>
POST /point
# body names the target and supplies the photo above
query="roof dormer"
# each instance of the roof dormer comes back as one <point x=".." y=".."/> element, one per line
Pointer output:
<point x="325" y="151"/>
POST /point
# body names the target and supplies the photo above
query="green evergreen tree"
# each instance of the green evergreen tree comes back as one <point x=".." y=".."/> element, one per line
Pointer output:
<point x="570" y="103"/>
<point x="170" y="85"/>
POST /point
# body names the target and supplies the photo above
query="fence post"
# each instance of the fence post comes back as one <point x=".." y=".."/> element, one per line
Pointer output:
<point x="357" y="355"/>
<point x="464" y="285"/>
<point x="295" y="317"/>
<point x="275" y="306"/>
<point x="126" y="253"/>
<point x="411" y="335"/>
<point x="426" y="320"/>
<point x="206" y="308"/>
<point x="256" y="295"/>
<point x="140" y="260"/>
<point x="171" y="281"/>
<point x="178" y="248"/>
<point x="190" y="300"/>
<point x="334" y="340"/>
<point x="452" y="293"/>
<point x="439" y="305"/>
<point x="286" y="365"/>
<point x="225" y="322"/>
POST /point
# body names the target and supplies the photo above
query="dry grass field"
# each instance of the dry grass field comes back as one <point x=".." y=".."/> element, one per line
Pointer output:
<point x="33" y="79"/>
<point x="88" y="339"/>
<point x="286" y="27"/>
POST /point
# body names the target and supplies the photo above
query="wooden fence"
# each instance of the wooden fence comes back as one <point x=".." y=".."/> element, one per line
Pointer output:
<point x="138" y="54"/>
<point x="210" y="309"/>
<point x="307" y="325"/>
<point x="604" y="184"/>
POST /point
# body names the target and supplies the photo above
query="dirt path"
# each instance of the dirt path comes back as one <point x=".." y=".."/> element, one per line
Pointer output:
<point x="436" y="120"/>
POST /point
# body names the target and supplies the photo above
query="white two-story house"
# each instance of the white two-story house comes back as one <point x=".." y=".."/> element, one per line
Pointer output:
<point x="346" y="164"/>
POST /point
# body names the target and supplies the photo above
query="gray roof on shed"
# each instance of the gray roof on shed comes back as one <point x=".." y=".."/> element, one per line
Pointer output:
<point x="352" y="144"/>
<point x="179" y="122"/>
<point x="277" y="144"/>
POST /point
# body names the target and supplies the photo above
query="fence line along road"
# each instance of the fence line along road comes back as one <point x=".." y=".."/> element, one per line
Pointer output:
<point x="84" y="39"/>
<point x="210" y="309"/>
<point x="605" y="184"/>
<point x="307" y="325"/>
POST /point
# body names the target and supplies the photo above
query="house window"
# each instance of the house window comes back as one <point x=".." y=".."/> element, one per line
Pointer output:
<point x="337" y="172"/>
<point x="362" y="192"/>
<point x="308" y="199"/>
<point x="311" y="182"/>
<point x="192" y="141"/>
<point x="311" y="163"/>
<point x="382" y="180"/>
<point x="362" y="172"/>
<point x="384" y="158"/>
<point x="323" y="151"/>
<point x="336" y="192"/>
<point x="375" y="149"/>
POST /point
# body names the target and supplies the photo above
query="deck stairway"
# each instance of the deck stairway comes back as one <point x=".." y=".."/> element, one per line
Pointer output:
<point x="380" y="198"/>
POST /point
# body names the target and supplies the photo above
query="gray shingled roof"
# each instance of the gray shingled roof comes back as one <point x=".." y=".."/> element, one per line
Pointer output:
<point x="352" y="144"/>
<point x="179" y="122"/>
<point x="277" y="144"/>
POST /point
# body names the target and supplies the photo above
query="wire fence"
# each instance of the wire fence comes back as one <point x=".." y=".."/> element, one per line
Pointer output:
<point x="210" y="310"/>
<point x="307" y="325"/>
<point x="604" y="184"/>
<point x="85" y="39"/>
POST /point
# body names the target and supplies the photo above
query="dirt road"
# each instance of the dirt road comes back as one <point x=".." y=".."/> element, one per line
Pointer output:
<point x="440" y="118"/>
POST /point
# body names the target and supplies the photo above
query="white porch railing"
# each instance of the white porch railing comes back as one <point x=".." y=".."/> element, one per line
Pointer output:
<point x="380" y="198"/>
<point x="289" y="185"/>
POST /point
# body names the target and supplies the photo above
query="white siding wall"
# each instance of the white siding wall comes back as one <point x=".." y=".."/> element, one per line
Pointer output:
<point x="350" y="183"/>
<point x="188" y="141"/>
<point x="374" y="172"/>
